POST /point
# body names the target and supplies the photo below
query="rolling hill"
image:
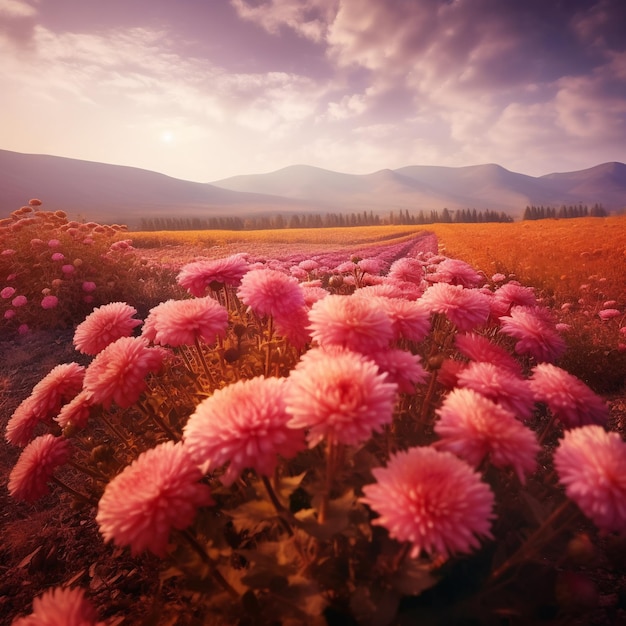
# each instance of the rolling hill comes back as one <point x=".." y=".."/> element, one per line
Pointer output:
<point x="114" y="193"/>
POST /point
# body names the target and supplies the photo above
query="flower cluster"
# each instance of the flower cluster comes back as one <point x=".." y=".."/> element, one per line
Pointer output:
<point x="281" y="409"/>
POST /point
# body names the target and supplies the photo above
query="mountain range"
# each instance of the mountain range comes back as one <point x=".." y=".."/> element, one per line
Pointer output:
<point x="115" y="193"/>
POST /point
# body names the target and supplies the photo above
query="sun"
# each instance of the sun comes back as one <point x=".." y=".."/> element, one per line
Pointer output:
<point x="166" y="136"/>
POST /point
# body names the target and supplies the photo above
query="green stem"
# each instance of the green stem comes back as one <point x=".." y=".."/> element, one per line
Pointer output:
<point x="205" y="365"/>
<point x="280" y="509"/>
<point x="76" y="494"/>
<point x="526" y="549"/>
<point x="207" y="560"/>
<point x="158" y="420"/>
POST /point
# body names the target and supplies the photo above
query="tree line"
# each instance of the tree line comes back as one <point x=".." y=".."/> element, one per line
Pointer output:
<point x="319" y="220"/>
<point x="563" y="212"/>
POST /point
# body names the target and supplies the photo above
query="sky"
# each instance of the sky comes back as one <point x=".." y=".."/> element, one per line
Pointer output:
<point x="206" y="89"/>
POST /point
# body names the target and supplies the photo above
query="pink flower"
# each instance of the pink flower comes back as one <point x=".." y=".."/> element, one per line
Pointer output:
<point x="88" y="286"/>
<point x="57" y="256"/>
<point x="29" y="478"/>
<point x="456" y="272"/>
<point x="406" y="269"/>
<point x="7" y="292"/>
<point x="294" y="327"/>
<point x="197" y="276"/>
<point x="61" y="607"/>
<point x="54" y="243"/>
<point x="410" y="320"/>
<point x="60" y="385"/>
<point x="68" y="269"/>
<point x="76" y="412"/>
<point x="591" y="464"/>
<point x="498" y="277"/>
<point x="19" y="301"/>
<point x="501" y="386"/>
<point x="340" y="395"/>
<point x="49" y="302"/>
<point x="473" y="427"/>
<point x="512" y="294"/>
<point x="103" y="326"/>
<point x="608" y="314"/>
<point x="350" y="322"/>
<point x="22" y="423"/>
<point x="481" y="349"/>
<point x="433" y="500"/>
<point x="465" y="308"/>
<point x="245" y="426"/>
<point x="158" y="491"/>
<point x="182" y="322"/>
<point x="9" y="314"/>
<point x="23" y="329"/>
<point x="402" y="368"/>
<point x="535" y="336"/>
<point x="567" y="397"/>
<point x="117" y="373"/>
<point x="270" y="292"/>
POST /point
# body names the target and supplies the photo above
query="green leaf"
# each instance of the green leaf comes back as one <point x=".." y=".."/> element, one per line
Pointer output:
<point x="255" y="514"/>
<point x="337" y="517"/>
<point x="413" y="577"/>
<point x="288" y="484"/>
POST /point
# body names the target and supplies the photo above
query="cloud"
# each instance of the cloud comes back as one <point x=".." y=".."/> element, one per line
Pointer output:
<point x="16" y="9"/>
<point x="308" y="18"/>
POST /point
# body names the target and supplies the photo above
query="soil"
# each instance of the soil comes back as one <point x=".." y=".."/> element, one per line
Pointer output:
<point x="51" y="542"/>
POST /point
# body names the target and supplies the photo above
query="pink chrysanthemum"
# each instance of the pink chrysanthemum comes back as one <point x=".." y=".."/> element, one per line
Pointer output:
<point x="61" y="607"/>
<point x="339" y="395"/>
<point x="410" y="320"/>
<point x="270" y="292"/>
<point x="19" y="301"/>
<point x="198" y="276"/>
<point x="158" y="491"/>
<point x="591" y="464"/>
<point x="433" y="500"/>
<point x="535" y="335"/>
<point x="49" y="302"/>
<point x="22" y="423"/>
<point x="105" y="325"/>
<point x="117" y="373"/>
<point x="76" y="412"/>
<point x="7" y="292"/>
<point x="402" y="368"/>
<point x="350" y="322"/>
<point x="88" y="286"/>
<point x="473" y="427"/>
<point x="567" y="397"/>
<point x="407" y="269"/>
<point x="382" y="290"/>
<point x="481" y="349"/>
<point x="500" y="385"/>
<point x="608" y="314"/>
<point x="294" y="327"/>
<point x="60" y="385"/>
<point x="181" y="322"/>
<point x="456" y="272"/>
<point x="29" y="478"/>
<point x="243" y="425"/>
<point x="511" y="294"/>
<point x="465" y="308"/>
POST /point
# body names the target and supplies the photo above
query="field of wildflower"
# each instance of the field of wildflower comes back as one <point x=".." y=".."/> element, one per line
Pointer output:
<point x="372" y="426"/>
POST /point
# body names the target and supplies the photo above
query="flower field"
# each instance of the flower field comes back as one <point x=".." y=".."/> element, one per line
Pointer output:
<point x="340" y="426"/>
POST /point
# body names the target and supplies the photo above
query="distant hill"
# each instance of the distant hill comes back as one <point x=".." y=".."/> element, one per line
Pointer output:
<point x="114" y="193"/>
